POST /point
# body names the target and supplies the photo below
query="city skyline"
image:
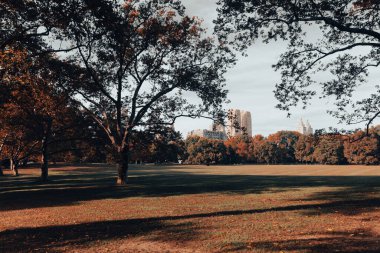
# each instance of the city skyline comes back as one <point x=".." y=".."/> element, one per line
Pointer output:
<point x="239" y="122"/>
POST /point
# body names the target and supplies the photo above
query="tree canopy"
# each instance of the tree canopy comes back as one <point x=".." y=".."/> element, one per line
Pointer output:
<point x="340" y="37"/>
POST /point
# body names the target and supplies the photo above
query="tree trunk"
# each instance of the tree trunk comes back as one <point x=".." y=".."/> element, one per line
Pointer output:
<point x="45" y="154"/>
<point x="14" y="167"/>
<point x="122" y="166"/>
<point x="44" y="166"/>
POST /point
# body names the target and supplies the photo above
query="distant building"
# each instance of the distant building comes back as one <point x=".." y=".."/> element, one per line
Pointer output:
<point x="238" y="122"/>
<point x="305" y="129"/>
<point x="218" y="127"/>
<point x="215" y="135"/>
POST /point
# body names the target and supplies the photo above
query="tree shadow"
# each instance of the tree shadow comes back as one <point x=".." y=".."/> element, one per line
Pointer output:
<point x="353" y="195"/>
<point x="70" y="186"/>
<point x="179" y="229"/>
<point x="54" y="238"/>
<point x="340" y="241"/>
<point x="360" y="195"/>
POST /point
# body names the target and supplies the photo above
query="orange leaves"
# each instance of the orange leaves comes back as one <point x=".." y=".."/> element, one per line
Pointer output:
<point x="133" y="15"/>
<point x="15" y="67"/>
<point x="165" y="25"/>
<point x="128" y="4"/>
<point x="14" y="62"/>
<point x="194" y="30"/>
<point x="27" y="85"/>
<point x="141" y="31"/>
<point x="365" y="4"/>
<point x="361" y="149"/>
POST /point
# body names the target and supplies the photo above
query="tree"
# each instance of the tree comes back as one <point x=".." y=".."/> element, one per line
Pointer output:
<point x="268" y="152"/>
<point x="304" y="149"/>
<point x="205" y="151"/>
<point x="135" y="60"/>
<point x="348" y="45"/>
<point x="257" y="141"/>
<point x="242" y="146"/>
<point x="167" y="146"/>
<point x="140" y="58"/>
<point x="2" y="143"/>
<point x="18" y="143"/>
<point x="156" y="145"/>
<point x="41" y="110"/>
<point x="330" y="150"/>
<point x="286" y="142"/>
<point x="140" y="142"/>
<point x="363" y="150"/>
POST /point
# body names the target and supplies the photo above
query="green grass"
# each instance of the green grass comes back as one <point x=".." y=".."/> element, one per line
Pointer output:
<point x="193" y="209"/>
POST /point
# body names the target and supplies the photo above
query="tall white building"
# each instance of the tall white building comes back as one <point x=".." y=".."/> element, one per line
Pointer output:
<point x="305" y="129"/>
<point x="238" y="122"/>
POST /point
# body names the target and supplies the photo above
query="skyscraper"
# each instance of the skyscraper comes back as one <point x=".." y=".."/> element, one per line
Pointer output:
<point x="305" y="129"/>
<point x="239" y="122"/>
<point x="246" y="122"/>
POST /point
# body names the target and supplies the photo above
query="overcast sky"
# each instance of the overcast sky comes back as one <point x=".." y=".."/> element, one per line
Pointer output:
<point x="252" y="81"/>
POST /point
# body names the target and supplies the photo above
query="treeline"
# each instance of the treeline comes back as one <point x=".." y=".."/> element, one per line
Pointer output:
<point x="165" y="145"/>
<point x="287" y="147"/>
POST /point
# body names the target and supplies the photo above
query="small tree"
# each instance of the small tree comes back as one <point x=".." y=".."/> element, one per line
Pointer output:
<point x="304" y="149"/>
<point x="18" y="144"/>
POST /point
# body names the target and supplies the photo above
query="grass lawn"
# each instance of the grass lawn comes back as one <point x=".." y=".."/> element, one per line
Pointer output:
<point x="193" y="209"/>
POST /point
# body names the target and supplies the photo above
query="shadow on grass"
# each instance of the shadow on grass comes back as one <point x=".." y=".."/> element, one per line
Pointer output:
<point x="56" y="238"/>
<point x="350" y="242"/>
<point x="176" y="229"/>
<point x="70" y="186"/>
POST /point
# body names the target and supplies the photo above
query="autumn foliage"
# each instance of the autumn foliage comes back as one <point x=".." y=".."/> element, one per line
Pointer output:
<point x="287" y="147"/>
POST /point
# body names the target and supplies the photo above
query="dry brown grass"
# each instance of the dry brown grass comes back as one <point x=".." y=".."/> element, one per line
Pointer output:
<point x="193" y="209"/>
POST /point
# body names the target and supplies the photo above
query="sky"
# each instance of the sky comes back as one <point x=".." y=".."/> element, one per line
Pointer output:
<point x="252" y="81"/>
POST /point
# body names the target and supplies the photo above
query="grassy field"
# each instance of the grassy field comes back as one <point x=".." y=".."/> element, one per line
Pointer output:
<point x="193" y="209"/>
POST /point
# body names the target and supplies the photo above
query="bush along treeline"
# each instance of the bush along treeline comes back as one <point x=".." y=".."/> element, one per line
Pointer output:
<point x="287" y="147"/>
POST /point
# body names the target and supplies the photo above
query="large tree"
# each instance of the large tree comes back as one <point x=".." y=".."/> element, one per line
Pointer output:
<point x="339" y="36"/>
<point x="136" y="61"/>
